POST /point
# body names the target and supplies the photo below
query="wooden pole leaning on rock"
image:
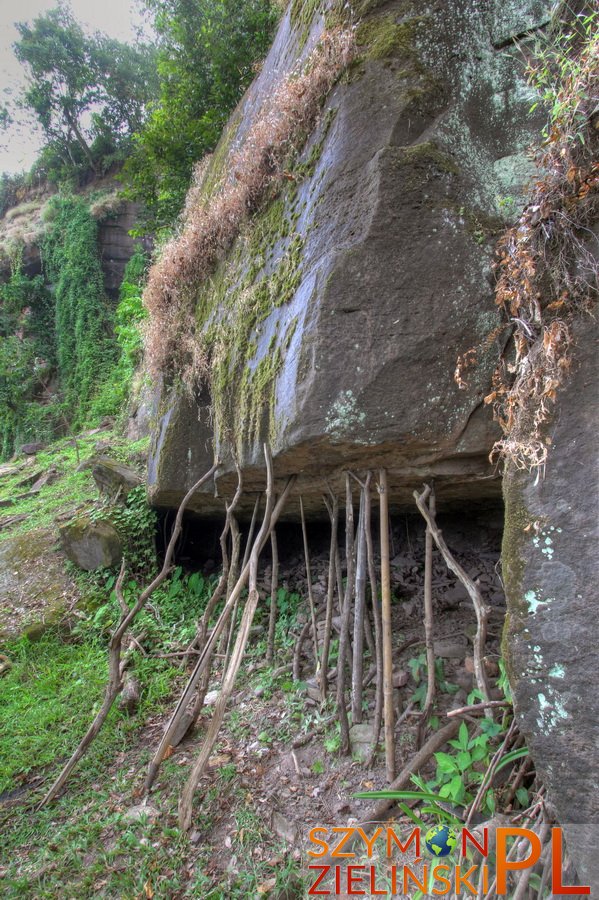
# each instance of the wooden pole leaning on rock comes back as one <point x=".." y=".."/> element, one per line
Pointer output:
<point x="205" y="657"/>
<point x="378" y="630"/>
<point x="309" y="583"/>
<point x="115" y="666"/>
<point x="333" y="511"/>
<point x="359" y="616"/>
<point x="344" y="630"/>
<point x="480" y="607"/>
<point x="387" y="627"/>
<point x="188" y="716"/>
<point x="268" y="523"/>
<point x="428" y="622"/>
<point x="274" y="588"/>
<point x="221" y="586"/>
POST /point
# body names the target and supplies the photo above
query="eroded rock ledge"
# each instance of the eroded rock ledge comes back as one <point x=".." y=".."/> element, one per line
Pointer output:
<point x="381" y="247"/>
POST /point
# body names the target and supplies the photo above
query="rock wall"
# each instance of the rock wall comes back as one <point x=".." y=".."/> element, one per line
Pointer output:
<point x="373" y="265"/>
<point x="25" y="226"/>
<point x="552" y="631"/>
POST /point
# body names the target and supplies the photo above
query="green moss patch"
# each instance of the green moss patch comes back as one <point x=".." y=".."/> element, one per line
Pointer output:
<point x="261" y="275"/>
<point x="383" y="36"/>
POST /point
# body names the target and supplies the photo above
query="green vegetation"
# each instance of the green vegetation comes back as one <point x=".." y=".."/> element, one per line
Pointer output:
<point x="207" y="53"/>
<point x="88" y="92"/>
<point x="27" y="355"/>
<point x="113" y="394"/>
<point x="383" y="36"/>
<point x="84" y="344"/>
<point x="544" y="277"/>
<point x="73" y="489"/>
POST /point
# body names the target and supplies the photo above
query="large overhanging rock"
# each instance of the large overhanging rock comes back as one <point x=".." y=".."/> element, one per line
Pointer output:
<point x="373" y="266"/>
<point x="552" y="631"/>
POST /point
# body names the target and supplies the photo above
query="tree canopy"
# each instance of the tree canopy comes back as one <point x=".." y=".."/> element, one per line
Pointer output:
<point x="89" y="92"/>
<point x="207" y="54"/>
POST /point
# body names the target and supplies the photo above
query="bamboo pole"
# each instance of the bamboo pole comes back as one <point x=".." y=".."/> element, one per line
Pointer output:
<point x="428" y="616"/>
<point x="387" y="627"/>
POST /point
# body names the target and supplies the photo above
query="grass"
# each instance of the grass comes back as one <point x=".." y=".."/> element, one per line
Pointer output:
<point x="83" y="845"/>
<point x="72" y="489"/>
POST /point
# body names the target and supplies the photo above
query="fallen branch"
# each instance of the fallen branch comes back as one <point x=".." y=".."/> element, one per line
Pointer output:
<point x="437" y="740"/>
<point x="477" y="707"/>
<point x="115" y="666"/>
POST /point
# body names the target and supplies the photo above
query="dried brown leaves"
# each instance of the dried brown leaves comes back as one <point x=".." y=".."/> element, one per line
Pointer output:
<point x="547" y="274"/>
<point x="210" y="225"/>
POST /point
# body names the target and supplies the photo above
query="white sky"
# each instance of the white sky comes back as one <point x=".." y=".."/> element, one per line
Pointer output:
<point x="118" y="18"/>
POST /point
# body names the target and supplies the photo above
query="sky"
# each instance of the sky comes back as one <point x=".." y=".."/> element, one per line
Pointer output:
<point x="120" y="19"/>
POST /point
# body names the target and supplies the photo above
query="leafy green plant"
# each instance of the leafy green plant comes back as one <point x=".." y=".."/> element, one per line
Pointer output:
<point x="85" y="347"/>
<point x="207" y="52"/>
<point x="418" y="668"/>
<point x="113" y="394"/>
<point x="332" y="742"/>
<point x="459" y="775"/>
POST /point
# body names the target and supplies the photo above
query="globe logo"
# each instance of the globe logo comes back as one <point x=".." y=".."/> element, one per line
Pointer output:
<point x="440" y="840"/>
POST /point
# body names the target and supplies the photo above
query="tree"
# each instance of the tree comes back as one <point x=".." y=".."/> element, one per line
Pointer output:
<point x="207" y="53"/>
<point x="89" y="92"/>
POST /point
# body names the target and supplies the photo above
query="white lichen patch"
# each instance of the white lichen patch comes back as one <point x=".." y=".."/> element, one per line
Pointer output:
<point x="544" y="542"/>
<point x="534" y="602"/>
<point x="552" y="711"/>
<point x="557" y="671"/>
<point x="344" y="416"/>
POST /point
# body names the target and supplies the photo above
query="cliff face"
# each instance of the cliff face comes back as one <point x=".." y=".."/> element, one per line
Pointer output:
<point x="550" y="640"/>
<point x="372" y="269"/>
<point x="24" y="227"/>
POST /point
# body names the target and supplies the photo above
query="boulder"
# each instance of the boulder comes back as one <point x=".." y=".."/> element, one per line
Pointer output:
<point x="112" y="477"/>
<point x="377" y="258"/>
<point x="552" y="630"/>
<point x="91" y="545"/>
<point x="32" y="448"/>
<point x="34" y="587"/>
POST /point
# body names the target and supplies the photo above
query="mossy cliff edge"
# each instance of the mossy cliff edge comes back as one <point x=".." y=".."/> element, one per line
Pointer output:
<point x="333" y="325"/>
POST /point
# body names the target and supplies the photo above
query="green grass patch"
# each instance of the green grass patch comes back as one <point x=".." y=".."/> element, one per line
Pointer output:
<point x="71" y="489"/>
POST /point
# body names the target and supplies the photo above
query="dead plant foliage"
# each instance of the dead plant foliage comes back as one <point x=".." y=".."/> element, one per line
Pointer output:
<point x="547" y="263"/>
<point x="212" y="220"/>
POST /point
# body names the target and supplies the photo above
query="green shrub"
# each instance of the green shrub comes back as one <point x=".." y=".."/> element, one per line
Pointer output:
<point x="85" y="347"/>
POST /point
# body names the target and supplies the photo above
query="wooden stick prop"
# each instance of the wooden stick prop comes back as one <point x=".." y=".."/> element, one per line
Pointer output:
<point x="299" y="645"/>
<point x="480" y="607"/>
<point x="274" y="586"/>
<point x="344" y="633"/>
<point x="206" y="655"/>
<point x="310" y="592"/>
<point x="376" y="613"/>
<point x="226" y="644"/>
<point x="223" y="580"/>
<point x="115" y="667"/>
<point x="428" y="622"/>
<point x="185" y="804"/>
<point x="387" y="627"/>
<point x="360" y="602"/>
<point x="333" y="510"/>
